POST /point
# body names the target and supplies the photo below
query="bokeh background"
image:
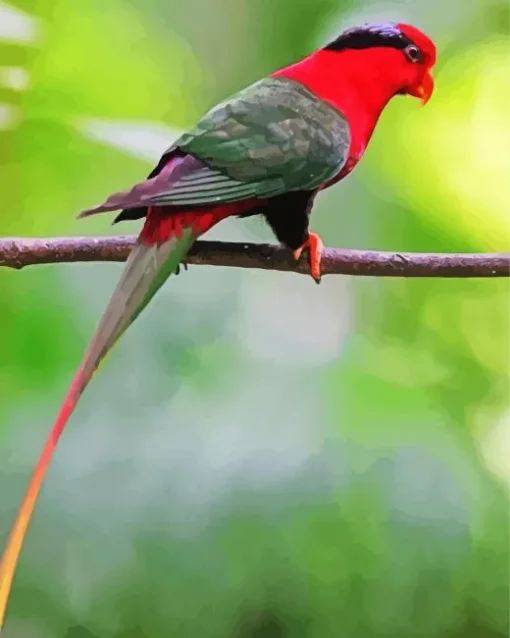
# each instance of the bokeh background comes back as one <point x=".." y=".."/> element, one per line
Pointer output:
<point x="260" y="457"/>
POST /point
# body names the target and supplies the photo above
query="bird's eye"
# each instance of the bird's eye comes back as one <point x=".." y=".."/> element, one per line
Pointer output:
<point x="413" y="53"/>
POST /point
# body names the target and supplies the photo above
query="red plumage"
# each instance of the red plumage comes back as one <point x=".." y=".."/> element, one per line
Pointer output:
<point x="160" y="226"/>
<point x="359" y="86"/>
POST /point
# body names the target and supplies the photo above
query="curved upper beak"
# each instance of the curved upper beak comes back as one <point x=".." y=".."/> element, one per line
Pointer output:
<point x="424" y="89"/>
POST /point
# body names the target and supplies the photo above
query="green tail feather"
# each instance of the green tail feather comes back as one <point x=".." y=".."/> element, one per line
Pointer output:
<point x="146" y="270"/>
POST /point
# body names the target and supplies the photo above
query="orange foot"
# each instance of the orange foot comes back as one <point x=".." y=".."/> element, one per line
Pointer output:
<point x="315" y="246"/>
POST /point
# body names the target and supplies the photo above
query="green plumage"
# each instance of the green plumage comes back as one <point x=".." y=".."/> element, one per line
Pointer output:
<point x="146" y="270"/>
<point x="271" y="138"/>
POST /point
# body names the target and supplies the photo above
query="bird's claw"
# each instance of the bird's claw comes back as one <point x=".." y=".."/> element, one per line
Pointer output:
<point x="315" y="247"/>
<point x="178" y="269"/>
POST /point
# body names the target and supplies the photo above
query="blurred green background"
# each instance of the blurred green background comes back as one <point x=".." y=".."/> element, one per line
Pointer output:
<point x="260" y="457"/>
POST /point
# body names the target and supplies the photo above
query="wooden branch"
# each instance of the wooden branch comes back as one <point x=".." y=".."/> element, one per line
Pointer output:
<point x="18" y="252"/>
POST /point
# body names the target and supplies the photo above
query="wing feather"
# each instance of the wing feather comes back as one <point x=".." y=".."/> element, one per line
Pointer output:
<point x="272" y="138"/>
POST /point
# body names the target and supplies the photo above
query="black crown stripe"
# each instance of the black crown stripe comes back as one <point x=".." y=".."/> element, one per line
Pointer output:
<point x="368" y="36"/>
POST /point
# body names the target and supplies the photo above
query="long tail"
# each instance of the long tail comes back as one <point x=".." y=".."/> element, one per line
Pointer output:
<point x="147" y="268"/>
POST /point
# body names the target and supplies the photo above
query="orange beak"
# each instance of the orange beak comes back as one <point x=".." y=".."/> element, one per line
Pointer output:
<point x="424" y="89"/>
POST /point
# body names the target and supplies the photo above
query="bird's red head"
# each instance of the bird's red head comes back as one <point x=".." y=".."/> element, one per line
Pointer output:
<point x="360" y="71"/>
<point x="405" y="52"/>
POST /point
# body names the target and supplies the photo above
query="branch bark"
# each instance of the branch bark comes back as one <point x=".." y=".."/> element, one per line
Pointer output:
<point x="16" y="252"/>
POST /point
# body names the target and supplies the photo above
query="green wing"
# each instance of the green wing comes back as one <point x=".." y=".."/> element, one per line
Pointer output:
<point x="271" y="138"/>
